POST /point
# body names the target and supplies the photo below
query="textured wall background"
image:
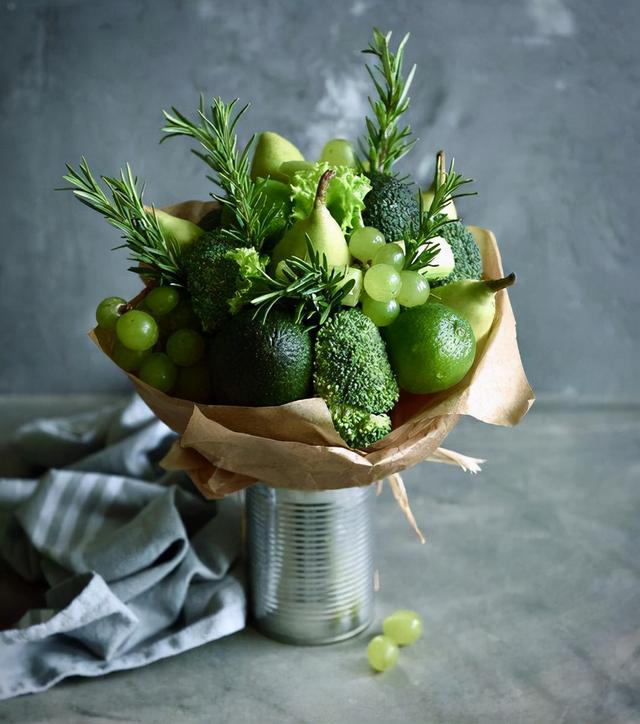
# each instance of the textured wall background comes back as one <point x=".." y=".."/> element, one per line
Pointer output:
<point x="537" y="99"/>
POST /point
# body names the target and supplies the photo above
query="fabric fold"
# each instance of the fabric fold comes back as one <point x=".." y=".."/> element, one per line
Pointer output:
<point x="133" y="570"/>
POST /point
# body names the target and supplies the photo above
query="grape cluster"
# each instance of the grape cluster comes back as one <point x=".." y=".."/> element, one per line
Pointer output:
<point x="388" y="286"/>
<point x="160" y="340"/>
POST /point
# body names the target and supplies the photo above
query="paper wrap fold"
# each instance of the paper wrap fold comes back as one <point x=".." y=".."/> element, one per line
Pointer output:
<point x="226" y="448"/>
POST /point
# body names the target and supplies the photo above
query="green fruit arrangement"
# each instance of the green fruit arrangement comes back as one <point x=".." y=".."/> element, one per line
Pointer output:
<point x="334" y="277"/>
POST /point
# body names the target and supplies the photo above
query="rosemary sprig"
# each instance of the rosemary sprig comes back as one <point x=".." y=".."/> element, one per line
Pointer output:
<point x="386" y="142"/>
<point x="313" y="287"/>
<point x="252" y="216"/>
<point x="420" y="250"/>
<point x="156" y="254"/>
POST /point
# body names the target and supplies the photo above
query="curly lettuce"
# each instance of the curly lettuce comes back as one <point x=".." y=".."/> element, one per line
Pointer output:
<point x="251" y="268"/>
<point x="345" y="195"/>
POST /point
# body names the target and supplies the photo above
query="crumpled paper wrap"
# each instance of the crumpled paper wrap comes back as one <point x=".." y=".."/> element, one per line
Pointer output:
<point x="225" y="449"/>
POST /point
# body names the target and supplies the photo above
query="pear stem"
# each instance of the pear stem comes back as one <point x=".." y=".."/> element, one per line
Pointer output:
<point x="441" y="169"/>
<point x="495" y="285"/>
<point x="133" y="303"/>
<point x="321" y="193"/>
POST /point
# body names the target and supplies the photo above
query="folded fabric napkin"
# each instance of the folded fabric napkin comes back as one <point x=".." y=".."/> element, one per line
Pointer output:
<point x="135" y="564"/>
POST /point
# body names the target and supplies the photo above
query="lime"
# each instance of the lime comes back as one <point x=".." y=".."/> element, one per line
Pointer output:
<point x="430" y="348"/>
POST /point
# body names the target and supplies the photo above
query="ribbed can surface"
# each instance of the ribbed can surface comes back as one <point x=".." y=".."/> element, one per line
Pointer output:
<point x="311" y="562"/>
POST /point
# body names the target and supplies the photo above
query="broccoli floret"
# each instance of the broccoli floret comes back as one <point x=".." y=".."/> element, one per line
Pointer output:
<point x="352" y="373"/>
<point x="391" y="206"/>
<point x="212" y="279"/>
<point x="468" y="262"/>
<point x="351" y="364"/>
<point x="357" y="427"/>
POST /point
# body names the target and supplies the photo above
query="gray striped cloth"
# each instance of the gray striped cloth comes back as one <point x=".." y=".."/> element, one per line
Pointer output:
<point x="135" y="565"/>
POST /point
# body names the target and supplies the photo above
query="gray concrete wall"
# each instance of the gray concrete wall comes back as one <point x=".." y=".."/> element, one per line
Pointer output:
<point x="537" y="99"/>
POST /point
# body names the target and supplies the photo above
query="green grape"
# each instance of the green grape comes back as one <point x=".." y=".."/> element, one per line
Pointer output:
<point x="185" y="347"/>
<point x="382" y="653"/>
<point x="109" y="312"/>
<point x="380" y="313"/>
<point x="382" y="282"/>
<point x="159" y="372"/>
<point x="391" y="254"/>
<point x="353" y="296"/>
<point x="128" y="359"/>
<point x="162" y="300"/>
<point x="414" y="290"/>
<point x="193" y="384"/>
<point x="365" y="242"/>
<point x="403" y="627"/>
<point x="137" y="330"/>
<point x="181" y="317"/>
<point x="338" y="152"/>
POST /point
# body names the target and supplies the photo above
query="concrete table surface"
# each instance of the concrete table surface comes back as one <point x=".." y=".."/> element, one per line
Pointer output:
<point x="529" y="586"/>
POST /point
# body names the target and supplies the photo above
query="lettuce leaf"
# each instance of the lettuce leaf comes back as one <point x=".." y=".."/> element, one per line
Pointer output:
<point x="345" y="195"/>
<point x="251" y="268"/>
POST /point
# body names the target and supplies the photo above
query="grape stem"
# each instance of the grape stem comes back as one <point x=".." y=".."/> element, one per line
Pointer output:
<point x="133" y="303"/>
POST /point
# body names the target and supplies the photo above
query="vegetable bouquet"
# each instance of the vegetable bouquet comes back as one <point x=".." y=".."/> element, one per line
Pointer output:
<point x="319" y="323"/>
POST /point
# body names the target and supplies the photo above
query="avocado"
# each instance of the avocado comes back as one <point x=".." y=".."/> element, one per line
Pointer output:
<point x="255" y="363"/>
<point x="391" y="206"/>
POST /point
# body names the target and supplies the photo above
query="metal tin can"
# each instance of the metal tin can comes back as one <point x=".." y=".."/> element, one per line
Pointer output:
<point x="311" y="562"/>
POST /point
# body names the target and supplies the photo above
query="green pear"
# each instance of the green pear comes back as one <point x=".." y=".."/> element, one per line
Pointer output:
<point x="277" y="193"/>
<point x="183" y="231"/>
<point x="271" y="151"/>
<point x="323" y="231"/>
<point x="441" y="265"/>
<point x="352" y="297"/>
<point x="278" y="199"/>
<point x="474" y="300"/>
<point x="290" y="168"/>
<point x="339" y="152"/>
<point x="285" y="248"/>
<point x="439" y="176"/>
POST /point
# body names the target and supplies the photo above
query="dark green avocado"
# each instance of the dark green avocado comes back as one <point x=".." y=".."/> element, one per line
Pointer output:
<point x="391" y="206"/>
<point x="255" y="364"/>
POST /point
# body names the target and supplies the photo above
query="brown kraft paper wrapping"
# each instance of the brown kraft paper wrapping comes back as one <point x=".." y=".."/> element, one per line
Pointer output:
<point x="225" y="448"/>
